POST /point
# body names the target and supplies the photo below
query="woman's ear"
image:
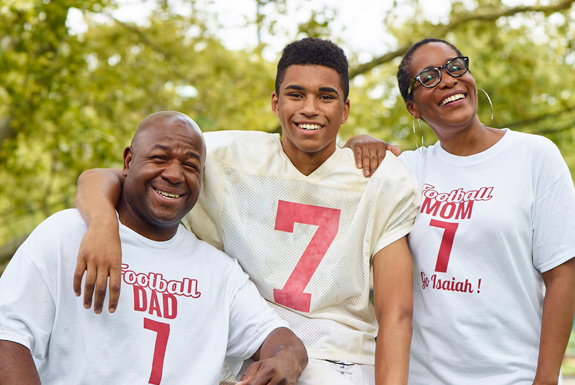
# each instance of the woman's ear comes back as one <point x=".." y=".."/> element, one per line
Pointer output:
<point x="412" y="108"/>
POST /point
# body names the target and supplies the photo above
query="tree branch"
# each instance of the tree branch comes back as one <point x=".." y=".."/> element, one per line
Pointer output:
<point x="484" y="14"/>
<point x="541" y="117"/>
<point x="6" y="129"/>
<point x="143" y="37"/>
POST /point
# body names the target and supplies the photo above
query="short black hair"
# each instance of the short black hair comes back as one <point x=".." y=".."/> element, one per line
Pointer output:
<point x="314" y="51"/>
<point x="404" y="78"/>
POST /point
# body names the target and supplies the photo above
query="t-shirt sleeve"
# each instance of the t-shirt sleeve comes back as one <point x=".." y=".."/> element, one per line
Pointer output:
<point x="554" y="211"/>
<point x="251" y="318"/>
<point x="397" y="203"/>
<point x="27" y="306"/>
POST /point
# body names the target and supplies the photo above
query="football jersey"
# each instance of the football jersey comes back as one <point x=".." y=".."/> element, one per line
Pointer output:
<point x="307" y="242"/>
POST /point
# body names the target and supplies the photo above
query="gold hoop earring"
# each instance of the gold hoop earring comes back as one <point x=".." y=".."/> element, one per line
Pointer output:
<point x="490" y="104"/>
<point x="415" y="135"/>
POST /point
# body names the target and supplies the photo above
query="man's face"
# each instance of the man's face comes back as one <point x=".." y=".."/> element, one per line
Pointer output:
<point x="311" y="109"/>
<point x="163" y="170"/>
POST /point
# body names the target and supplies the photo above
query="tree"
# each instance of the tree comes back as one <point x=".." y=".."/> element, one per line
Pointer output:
<point x="71" y="101"/>
<point x="522" y="56"/>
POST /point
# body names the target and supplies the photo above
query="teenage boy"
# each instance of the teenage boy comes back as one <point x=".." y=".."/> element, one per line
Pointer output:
<point x="302" y="221"/>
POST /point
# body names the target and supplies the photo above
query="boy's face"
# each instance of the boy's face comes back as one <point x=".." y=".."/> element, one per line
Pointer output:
<point x="311" y="109"/>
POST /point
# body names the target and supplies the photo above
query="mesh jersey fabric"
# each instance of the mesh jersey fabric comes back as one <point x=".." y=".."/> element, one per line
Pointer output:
<point x="305" y="241"/>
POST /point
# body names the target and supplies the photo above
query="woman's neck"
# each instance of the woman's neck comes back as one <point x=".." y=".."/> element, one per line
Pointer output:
<point x="473" y="141"/>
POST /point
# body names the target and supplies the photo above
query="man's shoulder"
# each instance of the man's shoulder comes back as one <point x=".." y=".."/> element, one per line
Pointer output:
<point x="63" y="221"/>
<point x="61" y="230"/>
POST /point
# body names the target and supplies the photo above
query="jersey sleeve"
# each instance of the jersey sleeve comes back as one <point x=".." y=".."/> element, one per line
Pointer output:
<point x="397" y="203"/>
<point x="27" y="306"/>
<point x="204" y="219"/>
<point x="554" y="210"/>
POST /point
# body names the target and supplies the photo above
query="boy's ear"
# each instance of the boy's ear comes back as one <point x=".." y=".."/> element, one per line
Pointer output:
<point x="346" y="108"/>
<point x="275" y="104"/>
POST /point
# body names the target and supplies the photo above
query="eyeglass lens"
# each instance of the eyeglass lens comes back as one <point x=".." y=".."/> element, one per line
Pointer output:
<point x="431" y="77"/>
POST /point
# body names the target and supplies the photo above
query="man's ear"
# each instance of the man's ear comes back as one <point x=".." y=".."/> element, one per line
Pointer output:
<point x="275" y="104"/>
<point x="128" y="153"/>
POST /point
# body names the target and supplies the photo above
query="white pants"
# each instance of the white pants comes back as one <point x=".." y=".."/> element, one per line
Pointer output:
<point x="320" y="372"/>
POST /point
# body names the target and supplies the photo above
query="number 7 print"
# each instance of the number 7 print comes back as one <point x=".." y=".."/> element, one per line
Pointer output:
<point x="163" y="331"/>
<point x="446" y="243"/>
<point x="327" y="219"/>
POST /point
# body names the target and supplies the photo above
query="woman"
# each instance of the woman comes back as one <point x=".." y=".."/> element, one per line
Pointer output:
<point x="496" y="226"/>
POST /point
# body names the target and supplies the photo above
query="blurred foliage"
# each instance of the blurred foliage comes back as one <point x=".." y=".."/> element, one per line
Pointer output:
<point x="71" y="101"/>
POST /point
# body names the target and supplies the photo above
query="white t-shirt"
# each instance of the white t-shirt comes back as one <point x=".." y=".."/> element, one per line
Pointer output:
<point x="184" y="307"/>
<point x="305" y="241"/>
<point x="488" y="226"/>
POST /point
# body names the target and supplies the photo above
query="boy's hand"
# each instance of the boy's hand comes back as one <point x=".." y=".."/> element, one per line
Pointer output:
<point x="100" y="256"/>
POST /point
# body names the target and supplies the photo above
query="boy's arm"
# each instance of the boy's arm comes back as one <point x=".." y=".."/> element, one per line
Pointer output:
<point x="17" y="365"/>
<point x="100" y="254"/>
<point x="557" y="321"/>
<point x="280" y="360"/>
<point x="369" y="152"/>
<point x="393" y="301"/>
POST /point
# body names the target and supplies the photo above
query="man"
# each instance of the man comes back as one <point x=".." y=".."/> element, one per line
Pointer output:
<point x="302" y="221"/>
<point x="185" y="305"/>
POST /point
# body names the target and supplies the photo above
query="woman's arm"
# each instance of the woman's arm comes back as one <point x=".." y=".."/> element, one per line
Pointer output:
<point x="558" y="310"/>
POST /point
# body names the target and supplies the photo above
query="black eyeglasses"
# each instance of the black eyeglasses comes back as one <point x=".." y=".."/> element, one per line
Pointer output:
<point x="430" y="77"/>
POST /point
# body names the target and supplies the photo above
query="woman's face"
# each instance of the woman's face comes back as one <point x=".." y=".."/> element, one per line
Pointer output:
<point x="450" y="105"/>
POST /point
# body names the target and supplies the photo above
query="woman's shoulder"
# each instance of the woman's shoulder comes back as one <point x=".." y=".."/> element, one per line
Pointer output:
<point x="536" y="145"/>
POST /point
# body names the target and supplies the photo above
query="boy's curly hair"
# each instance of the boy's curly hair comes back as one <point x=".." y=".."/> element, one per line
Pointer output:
<point x="314" y="51"/>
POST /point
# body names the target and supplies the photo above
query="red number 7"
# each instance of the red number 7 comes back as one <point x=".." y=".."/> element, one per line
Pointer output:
<point x="446" y="243"/>
<point x="327" y="220"/>
<point x="163" y="331"/>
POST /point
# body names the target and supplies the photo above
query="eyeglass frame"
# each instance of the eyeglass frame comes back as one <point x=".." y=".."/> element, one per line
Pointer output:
<point x="438" y="69"/>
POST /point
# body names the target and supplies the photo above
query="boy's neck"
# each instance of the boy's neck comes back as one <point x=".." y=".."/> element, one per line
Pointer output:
<point x="308" y="162"/>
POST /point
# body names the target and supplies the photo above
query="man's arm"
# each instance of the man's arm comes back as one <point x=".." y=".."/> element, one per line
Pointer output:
<point x="100" y="252"/>
<point x="558" y="310"/>
<point x="280" y="360"/>
<point x="393" y="301"/>
<point x="369" y="152"/>
<point x="17" y="365"/>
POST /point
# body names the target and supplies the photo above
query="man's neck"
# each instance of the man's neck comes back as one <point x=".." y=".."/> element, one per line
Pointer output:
<point x="131" y="220"/>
